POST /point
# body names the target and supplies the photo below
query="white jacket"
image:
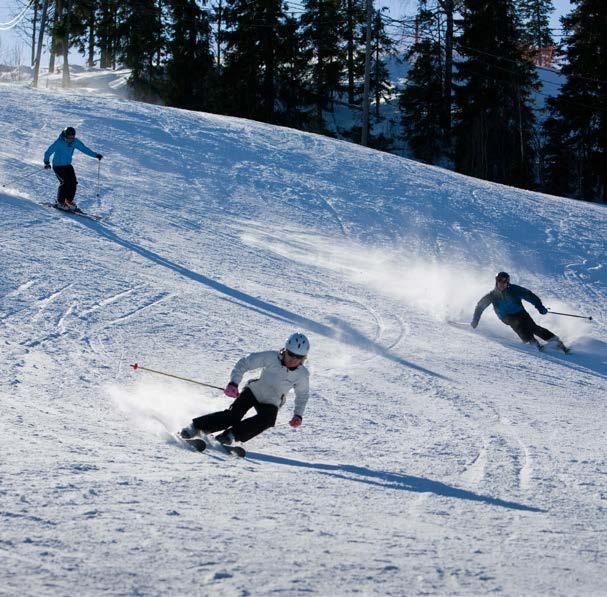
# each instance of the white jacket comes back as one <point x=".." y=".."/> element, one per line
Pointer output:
<point x="275" y="380"/>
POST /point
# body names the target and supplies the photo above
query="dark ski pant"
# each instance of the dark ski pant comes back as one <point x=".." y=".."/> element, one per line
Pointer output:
<point x="231" y="419"/>
<point x="67" y="183"/>
<point x="526" y="328"/>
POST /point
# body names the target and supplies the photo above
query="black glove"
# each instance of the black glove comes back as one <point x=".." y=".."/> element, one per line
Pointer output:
<point x="99" y="156"/>
<point x="542" y="310"/>
<point x="47" y="165"/>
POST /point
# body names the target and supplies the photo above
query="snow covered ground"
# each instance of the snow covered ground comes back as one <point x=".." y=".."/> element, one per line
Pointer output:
<point x="106" y="82"/>
<point x="432" y="459"/>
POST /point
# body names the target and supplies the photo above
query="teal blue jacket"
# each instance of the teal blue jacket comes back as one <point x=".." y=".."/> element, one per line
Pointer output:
<point x="62" y="151"/>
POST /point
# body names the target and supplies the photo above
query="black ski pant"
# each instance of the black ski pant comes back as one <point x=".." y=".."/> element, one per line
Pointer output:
<point x="67" y="183"/>
<point x="231" y="419"/>
<point x="526" y="328"/>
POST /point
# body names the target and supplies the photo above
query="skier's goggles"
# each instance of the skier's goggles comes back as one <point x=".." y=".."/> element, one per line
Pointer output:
<point x="295" y="356"/>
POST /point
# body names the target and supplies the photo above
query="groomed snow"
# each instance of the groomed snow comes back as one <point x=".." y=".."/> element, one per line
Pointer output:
<point x="432" y="459"/>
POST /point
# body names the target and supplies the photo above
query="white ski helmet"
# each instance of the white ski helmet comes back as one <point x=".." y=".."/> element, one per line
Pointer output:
<point x="298" y="344"/>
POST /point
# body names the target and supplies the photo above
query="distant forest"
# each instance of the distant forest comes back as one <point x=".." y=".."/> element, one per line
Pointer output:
<point x="469" y="101"/>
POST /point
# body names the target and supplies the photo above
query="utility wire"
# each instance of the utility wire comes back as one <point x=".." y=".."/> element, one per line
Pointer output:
<point x="14" y="22"/>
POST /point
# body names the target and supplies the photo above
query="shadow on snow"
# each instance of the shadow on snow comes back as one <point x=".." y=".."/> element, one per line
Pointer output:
<point x="347" y="335"/>
<point x="386" y="480"/>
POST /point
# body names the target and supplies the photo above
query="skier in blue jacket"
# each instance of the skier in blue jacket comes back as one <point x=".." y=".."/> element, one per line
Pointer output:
<point x="62" y="150"/>
<point x="507" y="303"/>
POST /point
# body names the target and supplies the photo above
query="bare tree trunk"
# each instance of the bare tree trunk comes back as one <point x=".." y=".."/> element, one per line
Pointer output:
<point x="114" y="38"/>
<point x="66" y="45"/>
<point x="35" y="23"/>
<point x="55" y="44"/>
<point x="365" y="123"/>
<point x="448" y="7"/>
<point x="350" y="41"/>
<point x="159" y="53"/>
<point x="40" y="40"/>
<point x="377" y="63"/>
<point x="219" y="32"/>
<point x="91" y="40"/>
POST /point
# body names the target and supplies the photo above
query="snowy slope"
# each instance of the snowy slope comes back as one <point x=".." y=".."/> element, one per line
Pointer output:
<point x="99" y="82"/>
<point x="432" y="459"/>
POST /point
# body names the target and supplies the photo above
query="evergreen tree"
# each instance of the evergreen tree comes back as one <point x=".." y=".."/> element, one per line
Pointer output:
<point x="380" y="85"/>
<point x="322" y="32"/>
<point x="290" y="66"/>
<point x="255" y="40"/>
<point x="107" y="33"/>
<point x="495" y="122"/>
<point x="142" y="40"/>
<point x="436" y="21"/>
<point x="557" y="160"/>
<point x="354" y="26"/>
<point x="534" y="16"/>
<point x="189" y="63"/>
<point x="82" y="27"/>
<point x="447" y="9"/>
<point x="576" y="151"/>
<point x="421" y="102"/>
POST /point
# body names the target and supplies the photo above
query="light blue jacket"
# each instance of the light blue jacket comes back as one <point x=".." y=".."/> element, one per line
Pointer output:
<point x="62" y="151"/>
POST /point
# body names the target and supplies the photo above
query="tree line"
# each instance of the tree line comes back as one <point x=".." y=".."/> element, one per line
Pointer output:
<point x="472" y="99"/>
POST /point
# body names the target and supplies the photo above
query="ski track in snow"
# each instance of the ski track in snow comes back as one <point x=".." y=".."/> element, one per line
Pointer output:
<point x="432" y="460"/>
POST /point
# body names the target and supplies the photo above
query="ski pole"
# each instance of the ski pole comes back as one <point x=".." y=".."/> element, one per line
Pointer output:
<point x="200" y="383"/>
<point x="98" y="173"/>
<point x="36" y="171"/>
<point x="571" y="315"/>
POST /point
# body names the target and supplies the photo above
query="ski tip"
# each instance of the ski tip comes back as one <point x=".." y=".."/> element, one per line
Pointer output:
<point x="235" y="450"/>
<point x="198" y="444"/>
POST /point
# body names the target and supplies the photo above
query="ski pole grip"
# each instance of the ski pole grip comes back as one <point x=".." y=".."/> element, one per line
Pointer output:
<point x="135" y="366"/>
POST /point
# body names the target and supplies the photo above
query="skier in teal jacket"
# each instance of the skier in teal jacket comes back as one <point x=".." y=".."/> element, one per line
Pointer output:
<point x="62" y="150"/>
<point x="507" y="303"/>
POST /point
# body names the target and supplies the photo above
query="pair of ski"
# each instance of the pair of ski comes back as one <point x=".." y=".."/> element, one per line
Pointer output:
<point x="75" y="212"/>
<point x="200" y="445"/>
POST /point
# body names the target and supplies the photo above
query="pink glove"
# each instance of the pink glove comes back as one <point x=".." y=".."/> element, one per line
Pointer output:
<point x="295" y="421"/>
<point x="231" y="390"/>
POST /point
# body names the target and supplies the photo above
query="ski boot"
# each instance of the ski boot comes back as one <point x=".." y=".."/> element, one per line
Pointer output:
<point x="189" y="432"/>
<point x="66" y="205"/>
<point x="536" y="343"/>
<point x="226" y="438"/>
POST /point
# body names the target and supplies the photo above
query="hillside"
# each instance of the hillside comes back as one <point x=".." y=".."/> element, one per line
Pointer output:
<point x="432" y="459"/>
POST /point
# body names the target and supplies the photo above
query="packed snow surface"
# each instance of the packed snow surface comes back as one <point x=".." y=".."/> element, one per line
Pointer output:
<point x="433" y="459"/>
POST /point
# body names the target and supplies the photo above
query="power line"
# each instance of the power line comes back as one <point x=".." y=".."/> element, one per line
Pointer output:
<point x="600" y="81"/>
<point x="571" y="75"/>
<point x="14" y="22"/>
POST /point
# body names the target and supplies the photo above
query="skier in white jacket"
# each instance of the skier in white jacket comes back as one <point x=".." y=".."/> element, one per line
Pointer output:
<point x="281" y="371"/>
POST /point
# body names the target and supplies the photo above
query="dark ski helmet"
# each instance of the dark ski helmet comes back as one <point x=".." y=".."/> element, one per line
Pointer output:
<point x="69" y="131"/>
<point x="503" y="276"/>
